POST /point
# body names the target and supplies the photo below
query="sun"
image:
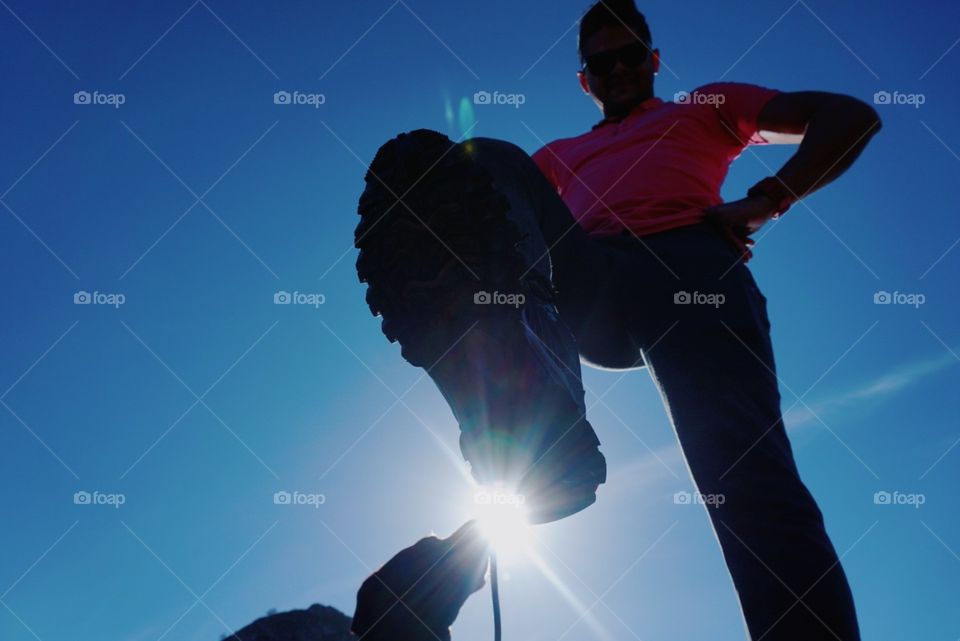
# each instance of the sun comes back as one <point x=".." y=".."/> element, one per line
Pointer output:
<point x="502" y="517"/>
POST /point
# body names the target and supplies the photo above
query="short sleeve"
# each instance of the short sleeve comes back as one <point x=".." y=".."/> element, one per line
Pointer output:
<point x="738" y="106"/>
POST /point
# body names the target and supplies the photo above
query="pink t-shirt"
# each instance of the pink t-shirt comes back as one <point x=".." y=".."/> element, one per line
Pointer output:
<point x="659" y="167"/>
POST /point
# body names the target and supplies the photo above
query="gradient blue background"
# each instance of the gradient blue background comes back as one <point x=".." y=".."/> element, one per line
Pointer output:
<point x="306" y="399"/>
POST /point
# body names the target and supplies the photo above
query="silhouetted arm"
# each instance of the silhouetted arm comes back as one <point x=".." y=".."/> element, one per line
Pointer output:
<point x="833" y="129"/>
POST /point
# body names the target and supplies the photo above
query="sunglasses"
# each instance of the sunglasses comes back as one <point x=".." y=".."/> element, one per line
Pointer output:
<point x="632" y="55"/>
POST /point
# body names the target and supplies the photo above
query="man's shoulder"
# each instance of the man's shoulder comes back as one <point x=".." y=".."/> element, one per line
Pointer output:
<point x="734" y="105"/>
<point x="730" y="85"/>
<point x="719" y="93"/>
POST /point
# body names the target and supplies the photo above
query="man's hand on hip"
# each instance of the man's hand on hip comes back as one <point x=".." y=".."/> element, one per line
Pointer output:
<point x="740" y="218"/>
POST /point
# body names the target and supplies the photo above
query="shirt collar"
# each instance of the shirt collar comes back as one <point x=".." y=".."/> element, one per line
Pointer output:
<point x="645" y="106"/>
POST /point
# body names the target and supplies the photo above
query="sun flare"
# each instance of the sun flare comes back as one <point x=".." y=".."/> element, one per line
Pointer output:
<point x="502" y="517"/>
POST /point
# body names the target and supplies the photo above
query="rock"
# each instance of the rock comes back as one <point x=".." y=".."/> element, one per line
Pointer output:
<point x="316" y="623"/>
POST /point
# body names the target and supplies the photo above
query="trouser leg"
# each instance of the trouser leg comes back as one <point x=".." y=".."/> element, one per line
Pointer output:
<point x="580" y="268"/>
<point x="712" y="361"/>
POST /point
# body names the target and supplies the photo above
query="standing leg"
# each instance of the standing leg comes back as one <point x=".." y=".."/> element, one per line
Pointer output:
<point x="712" y="361"/>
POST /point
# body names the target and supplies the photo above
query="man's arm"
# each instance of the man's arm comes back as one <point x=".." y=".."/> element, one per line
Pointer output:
<point x="832" y="130"/>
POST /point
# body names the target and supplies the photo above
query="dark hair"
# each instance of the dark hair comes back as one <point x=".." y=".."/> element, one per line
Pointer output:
<point x="612" y="13"/>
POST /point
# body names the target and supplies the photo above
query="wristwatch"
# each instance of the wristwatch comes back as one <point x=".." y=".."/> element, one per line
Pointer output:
<point x="774" y="189"/>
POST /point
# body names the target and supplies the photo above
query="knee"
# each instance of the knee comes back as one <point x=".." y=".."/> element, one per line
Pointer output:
<point x="493" y="147"/>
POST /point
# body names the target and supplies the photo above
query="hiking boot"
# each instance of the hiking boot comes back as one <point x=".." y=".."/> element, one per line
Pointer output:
<point x="440" y="256"/>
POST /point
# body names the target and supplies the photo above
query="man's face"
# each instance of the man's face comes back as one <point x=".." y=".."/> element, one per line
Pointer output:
<point x="624" y="87"/>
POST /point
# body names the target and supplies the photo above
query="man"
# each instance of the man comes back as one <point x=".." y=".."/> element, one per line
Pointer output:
<point x="622" y="231"/>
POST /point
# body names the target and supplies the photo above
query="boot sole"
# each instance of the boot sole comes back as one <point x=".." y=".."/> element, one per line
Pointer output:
<point x="433" y="233"/>
<point x="431" y="224"/>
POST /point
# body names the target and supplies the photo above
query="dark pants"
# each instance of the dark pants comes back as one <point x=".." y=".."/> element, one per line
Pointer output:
<point x="680" y="303"/>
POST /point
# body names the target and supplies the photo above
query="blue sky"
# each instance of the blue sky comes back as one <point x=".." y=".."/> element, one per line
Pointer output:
<point x="197" y="398"/>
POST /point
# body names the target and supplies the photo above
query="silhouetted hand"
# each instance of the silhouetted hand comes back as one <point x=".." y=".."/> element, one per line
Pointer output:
<point x="740" y="218"/>
<point x="419" y="592"/>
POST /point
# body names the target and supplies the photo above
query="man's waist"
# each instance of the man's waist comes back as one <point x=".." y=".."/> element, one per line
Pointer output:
<point x="639" y="223"/>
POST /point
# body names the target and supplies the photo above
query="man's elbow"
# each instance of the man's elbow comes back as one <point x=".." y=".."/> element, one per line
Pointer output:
<point x="862" y="116"/>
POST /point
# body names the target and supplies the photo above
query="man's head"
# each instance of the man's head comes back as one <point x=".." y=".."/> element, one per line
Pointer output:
<point x="617" y="59"/>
